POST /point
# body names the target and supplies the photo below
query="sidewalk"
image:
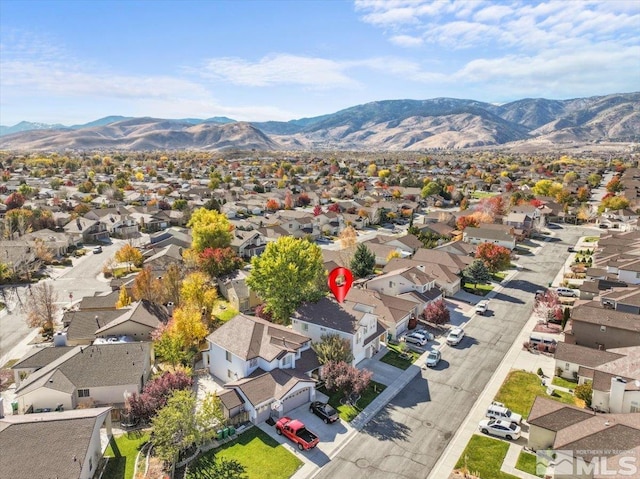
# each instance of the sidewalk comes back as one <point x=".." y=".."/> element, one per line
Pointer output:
<point x="516" y="358"/>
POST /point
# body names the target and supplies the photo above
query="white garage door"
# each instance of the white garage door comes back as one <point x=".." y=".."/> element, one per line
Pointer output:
<point x="262" y="413"/>
<point x="296" y="399"/>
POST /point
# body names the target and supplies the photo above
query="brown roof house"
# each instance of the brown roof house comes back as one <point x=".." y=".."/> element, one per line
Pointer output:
<point x="580" y="444"/>
<point x="63" y="445"/>
<point x="595" y="326"/>
<point x="233" y="287"/>
<point x="355" y="319"/>
<point x="267" y="365"/>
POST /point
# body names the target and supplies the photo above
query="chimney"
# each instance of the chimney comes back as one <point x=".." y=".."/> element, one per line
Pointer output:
<point x="616" y="394"/>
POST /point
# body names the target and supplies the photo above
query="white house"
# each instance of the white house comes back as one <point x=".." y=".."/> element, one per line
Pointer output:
<point x="268" y="365"/>
<point x="85" y="376"/>
<point x="479" y="235"/>
<point x="355" y="319"/>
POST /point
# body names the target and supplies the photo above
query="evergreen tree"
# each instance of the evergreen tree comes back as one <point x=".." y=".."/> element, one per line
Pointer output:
<point x="477" y="272"/>
<point x="363" y="262"/>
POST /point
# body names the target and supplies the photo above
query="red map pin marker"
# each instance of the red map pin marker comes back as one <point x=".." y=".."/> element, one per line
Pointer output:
<point x="340" y="281"/>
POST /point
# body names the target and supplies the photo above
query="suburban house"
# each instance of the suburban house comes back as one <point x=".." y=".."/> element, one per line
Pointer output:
<point x="267" y="365"/>
<point x="580" y="435"/>
<point x="572" y="359"/>
<point x="354" y="319"/>
<point x="117" y="221"/>
<point x="616" y="384"/>
<point x="86" y="230"/>
<point x="85" y="376"/>
<point x="480" y="235"/>
<point x="455" y="262"/>
<point x="407" y="283"/>
<point x="447" y="281"/>
<point x="67" y="444"/>
<point x="247" y="244"/>
<point x="233" y="287"/>
<point x="595" y="326"/>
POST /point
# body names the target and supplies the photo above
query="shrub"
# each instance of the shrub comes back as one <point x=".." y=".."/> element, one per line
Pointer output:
<point x="540" y="372"/>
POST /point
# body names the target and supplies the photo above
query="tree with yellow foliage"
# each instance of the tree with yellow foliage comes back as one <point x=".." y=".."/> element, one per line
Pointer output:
<point x="198" y="291"/>
<point x="209" y="229"/>
<point x="189" y="325"/>
<point x="124" y="299"/>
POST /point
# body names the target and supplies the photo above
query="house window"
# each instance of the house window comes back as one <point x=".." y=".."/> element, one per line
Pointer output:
<point x="635" y="406"/>
<point x="566" y="365"/>
<point x="603" y="329"/>
<point x="253" y="363"/>
<point x="228" y="356"/>
<point x="305" y="327"/>
<point x="90" y="464"/>
<point x="286" y="361"/>
<point x="83" y="393"/>
<point x="229" y="373"/>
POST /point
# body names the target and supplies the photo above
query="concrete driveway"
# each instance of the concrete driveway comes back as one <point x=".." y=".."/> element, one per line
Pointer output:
<point x="331" y="437"/>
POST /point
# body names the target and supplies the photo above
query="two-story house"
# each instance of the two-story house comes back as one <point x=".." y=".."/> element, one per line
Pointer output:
<point x="595" y="326"/>
<point x="267" y="365"/>
<point x="354" y="320"/>
<point x="247" y="244"/>
<point x="86" y="230"/>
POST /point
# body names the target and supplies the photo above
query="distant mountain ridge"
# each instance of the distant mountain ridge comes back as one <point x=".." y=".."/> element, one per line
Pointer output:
<point x="380" y="125"/>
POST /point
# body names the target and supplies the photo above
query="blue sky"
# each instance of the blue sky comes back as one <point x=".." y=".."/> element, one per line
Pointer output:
<point x="76" y="61"/>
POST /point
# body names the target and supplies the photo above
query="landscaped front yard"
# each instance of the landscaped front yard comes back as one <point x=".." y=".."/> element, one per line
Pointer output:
<point x="483" y="457"/>
<point x="398" y="358"/>
<point x="564" y="383"/>
<point x="348" y="412"/>
<point x="122" y="452"/>
<point x="520" y="389"/>
<point x="261" y="455"/>
<point x="527" y="463"/>
<point x="479" y="289"/>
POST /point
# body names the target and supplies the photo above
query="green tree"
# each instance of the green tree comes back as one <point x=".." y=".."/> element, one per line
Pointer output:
<point x="364" y="261"/>
<point x="613" y="203"/>
<point x="289" y="272"/>
<point x="178" y="425"/>
<point x="477" y="273"/>
<point x="594" y="180"/>
<point x="333" y="347"/>
<point x="209" y="229"/>
<point x="430" y="189"/>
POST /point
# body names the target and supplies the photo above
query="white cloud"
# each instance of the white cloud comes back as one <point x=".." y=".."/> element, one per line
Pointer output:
<point x="279" y="69"/>
<point x="406" y="40"/>
<point x="493" y="13"/>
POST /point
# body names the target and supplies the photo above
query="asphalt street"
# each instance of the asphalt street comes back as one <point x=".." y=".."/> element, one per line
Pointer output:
<point x="406" y="439"/>
<point x="71" y="284"/>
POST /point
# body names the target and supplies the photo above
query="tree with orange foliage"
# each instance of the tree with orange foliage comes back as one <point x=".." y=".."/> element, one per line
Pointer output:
<point x="466" y="221"/>
<point x="272" y="204"/>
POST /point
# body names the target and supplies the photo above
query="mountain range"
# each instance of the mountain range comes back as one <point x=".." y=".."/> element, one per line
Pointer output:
<point x="390" y="125"/>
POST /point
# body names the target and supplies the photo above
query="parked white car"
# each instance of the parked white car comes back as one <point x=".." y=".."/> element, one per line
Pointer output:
<point x="562" y="291"/>
<point x="497" y="410"/>
<point x="497" y="427"/>
<point x="418" y="338"/>
<point x="455" y="336"/>
<point x="482" y="307"/>
<point x="433" y="359"/>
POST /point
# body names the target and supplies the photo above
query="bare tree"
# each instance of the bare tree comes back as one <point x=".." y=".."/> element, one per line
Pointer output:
<point x="42" y="307"/>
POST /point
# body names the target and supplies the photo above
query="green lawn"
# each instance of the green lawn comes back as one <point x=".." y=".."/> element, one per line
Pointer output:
<point x="591" y="239"/>
<point x="520" y="388"/>
<point x="527" y="463"/>
<point x="261" y="455"/>
<point x="564" y="383"/>
<point x="482" y="194"/>
<point x="478" y="289"/>
<point x="499" y="276"/>
<point x="122" y="455"/>
<point x="484" y="456"/>
<point x="223" y="311"/>
<point x="348" y="412"/>
<point x="394" y="357"/>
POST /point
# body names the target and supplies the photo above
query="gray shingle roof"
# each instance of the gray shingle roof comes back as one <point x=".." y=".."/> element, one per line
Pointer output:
<point x="262" y="386"/>
<point x="93" y="366"/>
<point x="41" y="357"/>
<point x="44" y="445"/>
<point x="554" y="416"/>
<point x="584" y="356"/>
<point x="250" y="337"/>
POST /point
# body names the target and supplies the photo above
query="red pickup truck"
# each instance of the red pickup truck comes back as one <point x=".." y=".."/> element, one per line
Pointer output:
<point x="297" y="432"/>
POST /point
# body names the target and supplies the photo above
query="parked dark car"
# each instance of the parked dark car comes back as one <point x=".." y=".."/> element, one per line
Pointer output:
<point x="324" y="411"/>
